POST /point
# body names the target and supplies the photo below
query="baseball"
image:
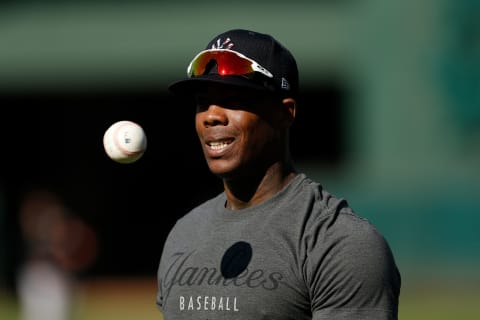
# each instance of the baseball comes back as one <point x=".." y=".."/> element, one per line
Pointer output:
<point x="125" y="141"/>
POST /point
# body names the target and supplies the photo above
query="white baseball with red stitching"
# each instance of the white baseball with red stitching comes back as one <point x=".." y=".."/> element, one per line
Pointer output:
<point x="125" y="141"/>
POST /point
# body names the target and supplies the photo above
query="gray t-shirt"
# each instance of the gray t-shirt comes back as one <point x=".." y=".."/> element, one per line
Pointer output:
<point x="302" y="254"/>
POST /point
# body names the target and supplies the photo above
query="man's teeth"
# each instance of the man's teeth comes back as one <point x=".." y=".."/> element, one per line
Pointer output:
<point x="218" y="145"/>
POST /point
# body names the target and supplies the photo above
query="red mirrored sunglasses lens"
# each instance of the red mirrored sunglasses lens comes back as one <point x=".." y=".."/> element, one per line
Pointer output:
<point x="228" y="63"/>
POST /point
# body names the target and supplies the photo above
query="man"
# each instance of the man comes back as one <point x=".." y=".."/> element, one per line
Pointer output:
<point x="274" y="244"/>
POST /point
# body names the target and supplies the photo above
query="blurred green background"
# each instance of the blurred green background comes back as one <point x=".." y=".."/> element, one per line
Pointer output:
<point x="409" y="76"/>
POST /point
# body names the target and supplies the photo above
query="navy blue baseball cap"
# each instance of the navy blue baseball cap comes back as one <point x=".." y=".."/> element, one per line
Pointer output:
<point x="242" y="58"/>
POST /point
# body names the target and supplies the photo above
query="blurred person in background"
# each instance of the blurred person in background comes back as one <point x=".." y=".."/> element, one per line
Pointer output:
<point x="57" y="244"/>
<point x="274" y="244"/>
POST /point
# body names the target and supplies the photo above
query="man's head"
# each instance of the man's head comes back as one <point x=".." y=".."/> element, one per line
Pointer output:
<point x="242" y="58"/>
<point x="244" y="85"/>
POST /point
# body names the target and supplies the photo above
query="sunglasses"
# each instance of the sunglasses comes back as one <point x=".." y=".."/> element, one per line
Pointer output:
<point x="229" y="63"/>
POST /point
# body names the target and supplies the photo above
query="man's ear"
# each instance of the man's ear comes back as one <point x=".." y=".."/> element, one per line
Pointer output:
<point x="290" y="109"/>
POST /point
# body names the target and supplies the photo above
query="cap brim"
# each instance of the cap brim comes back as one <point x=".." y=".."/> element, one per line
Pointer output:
<point x="190" y="86"/>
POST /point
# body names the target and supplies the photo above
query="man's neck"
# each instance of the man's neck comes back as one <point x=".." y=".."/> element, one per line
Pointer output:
<point x="248" y="191"/>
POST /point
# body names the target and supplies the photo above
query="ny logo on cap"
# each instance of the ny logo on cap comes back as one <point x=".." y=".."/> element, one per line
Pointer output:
<point x="219" y="44"/>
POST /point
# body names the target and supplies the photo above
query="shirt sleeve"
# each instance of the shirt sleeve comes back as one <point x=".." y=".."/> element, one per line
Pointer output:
<point x="350" y="270"/>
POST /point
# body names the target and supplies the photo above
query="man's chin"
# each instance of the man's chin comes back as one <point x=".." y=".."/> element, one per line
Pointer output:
<point x="223" y="172"/>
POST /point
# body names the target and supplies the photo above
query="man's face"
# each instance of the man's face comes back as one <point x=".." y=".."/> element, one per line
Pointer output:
<point x="238" y="130"/>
